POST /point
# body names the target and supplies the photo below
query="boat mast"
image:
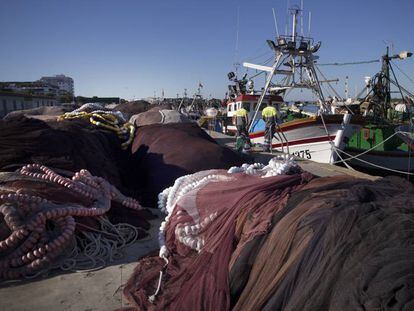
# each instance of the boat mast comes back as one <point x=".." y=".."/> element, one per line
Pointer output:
<point x="386" y="82"/>
<point x="381" y="89"/>
<point x="296" y="54"/>
<point x="294" y="22"/>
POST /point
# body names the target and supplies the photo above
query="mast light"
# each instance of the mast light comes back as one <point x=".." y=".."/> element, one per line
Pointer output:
<point x="303" y="47"/>
<point x="316" y="47"/>
<point x="281" y="42"/>
<point x="404" y="55"/>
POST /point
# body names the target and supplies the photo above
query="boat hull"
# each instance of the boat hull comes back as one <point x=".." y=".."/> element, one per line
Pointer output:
<point x="392" y="160"/>
<point x="309" y="139"/>
<point x="379" y="147"/>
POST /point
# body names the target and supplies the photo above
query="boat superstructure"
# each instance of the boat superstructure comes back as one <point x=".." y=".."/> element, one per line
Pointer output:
<point x="315" y="137"/>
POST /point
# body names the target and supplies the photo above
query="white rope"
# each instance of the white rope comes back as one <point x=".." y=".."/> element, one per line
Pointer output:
<point x="356" y="157"/>
<point x="153" y="296"/>
<point x="277" y="166"/>
<point x="376" y="165"/>
<point x="366" y="151"/>
<point x="99" y="246"/>
<point x="162" y="116"/>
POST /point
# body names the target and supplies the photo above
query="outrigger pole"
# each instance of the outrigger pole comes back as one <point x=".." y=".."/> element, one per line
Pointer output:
<point x="268" y="81"/>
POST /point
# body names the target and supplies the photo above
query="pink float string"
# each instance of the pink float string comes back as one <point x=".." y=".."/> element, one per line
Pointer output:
<point x="32" y="245"/>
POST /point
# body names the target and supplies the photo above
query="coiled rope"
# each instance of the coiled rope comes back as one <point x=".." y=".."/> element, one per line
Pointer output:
<point x="99" y="246"/>
<point x="110" y="120"/>
<point x="95" y="248"/>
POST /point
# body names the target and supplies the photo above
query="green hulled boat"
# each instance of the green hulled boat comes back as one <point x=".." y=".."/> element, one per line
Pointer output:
<point x="386" y="140"/>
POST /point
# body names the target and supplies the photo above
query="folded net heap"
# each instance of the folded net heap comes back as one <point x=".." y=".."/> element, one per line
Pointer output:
<point x="50" y="221"/>
<point x="273" y="238"/>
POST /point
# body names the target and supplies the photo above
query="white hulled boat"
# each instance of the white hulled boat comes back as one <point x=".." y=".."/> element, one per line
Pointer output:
<point x="318" y="137"/>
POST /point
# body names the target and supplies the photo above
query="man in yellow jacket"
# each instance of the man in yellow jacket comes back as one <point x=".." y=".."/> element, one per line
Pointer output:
<point x="241" y="120"/>
<point x="269" y="115"/>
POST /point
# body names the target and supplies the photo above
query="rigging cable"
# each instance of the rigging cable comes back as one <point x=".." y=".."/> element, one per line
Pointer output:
<point x="351" y="63"/>
<point x="369" y="163"/>
<point x="259" y="56"/>
<point x="261" y="72"/>
<point x="402" y="95"/>
<point x="333" y="90"/>
<point x="406" y="75"/>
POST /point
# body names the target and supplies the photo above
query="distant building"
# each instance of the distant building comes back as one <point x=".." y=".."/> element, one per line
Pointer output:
<point x="32" y="88"/>
<point x="59" y="85"/>
<point x="64" y="83"/>
<point x="97" y="100"/>
<point x="10" y="101"/>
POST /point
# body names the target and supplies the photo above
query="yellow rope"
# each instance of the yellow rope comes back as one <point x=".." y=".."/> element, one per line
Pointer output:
<point x="125" y="131"/>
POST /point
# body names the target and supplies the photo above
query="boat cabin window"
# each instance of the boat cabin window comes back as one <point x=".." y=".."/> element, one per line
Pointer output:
<point x="245" y="106"/>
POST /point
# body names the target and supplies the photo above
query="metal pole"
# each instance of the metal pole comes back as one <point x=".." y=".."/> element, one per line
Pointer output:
<point x="346" y="88"/>
<point x="275" y="20"/>
<point x="179" y="106"/>
<point x="271" y="140"/>
<point x="313" y="77"/>
<point x="294" y="26"/>
<point x="268" y="80"/>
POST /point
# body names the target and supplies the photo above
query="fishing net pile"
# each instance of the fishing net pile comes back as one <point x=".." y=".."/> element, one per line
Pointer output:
<point x="59" y="218"/>
<point x="50" y="221"/>
<point x="158" y="116"/>
<point x="41" y="113"/>
<point x="274" y="238"/>
<point x="128" y="109"/>
<point x="164" y="152"/>
<point x="68" y="145"/>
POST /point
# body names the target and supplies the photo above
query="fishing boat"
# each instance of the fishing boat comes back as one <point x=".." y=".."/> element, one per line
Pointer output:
<point x="316" y="137"/>
<point x="386" y="140"/>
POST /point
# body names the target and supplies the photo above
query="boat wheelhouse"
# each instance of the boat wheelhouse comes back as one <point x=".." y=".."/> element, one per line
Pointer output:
<point x="249" y="102"/>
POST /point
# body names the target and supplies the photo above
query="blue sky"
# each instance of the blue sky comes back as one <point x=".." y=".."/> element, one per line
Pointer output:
<point x="132" y="48"/>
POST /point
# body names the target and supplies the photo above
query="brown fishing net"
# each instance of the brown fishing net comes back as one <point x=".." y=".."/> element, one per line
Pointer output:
<point x="152" y="116"/>
<point x="133" y="107"/>
<point x="41" y="113"/>
<point x="285" y="243"/>
<point x="164" y="152"/>
<point x="69" y="145"/>
<point x="158" y="116"/>
<point x="200" y="280"/>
